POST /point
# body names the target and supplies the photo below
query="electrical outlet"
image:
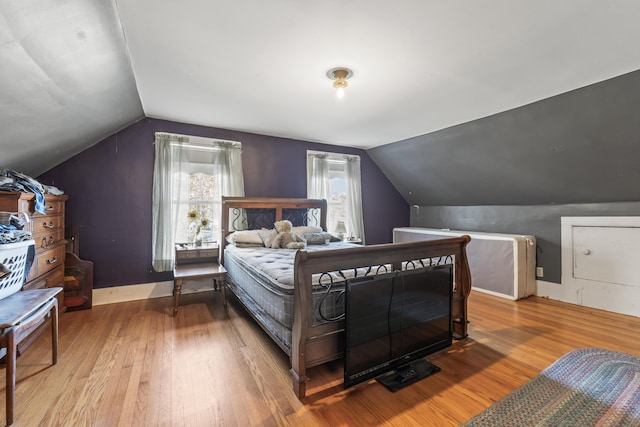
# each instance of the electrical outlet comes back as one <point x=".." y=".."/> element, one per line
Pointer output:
<point x="539" y="271"/>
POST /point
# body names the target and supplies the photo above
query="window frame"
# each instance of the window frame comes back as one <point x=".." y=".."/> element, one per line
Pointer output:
<point x="353" y="220"/>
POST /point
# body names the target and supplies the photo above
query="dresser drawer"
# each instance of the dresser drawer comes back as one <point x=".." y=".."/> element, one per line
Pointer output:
<point x="49" y="280"/>
<point x="45" y="224"/>
<point x="48" y="239"/>
<point x="52" y="207"/>
<point x="39" y="283"/>
<point x="55" y="277"/>
<point x="56" y="207"/>
<point x="25" y="202"/>
<point x="46" y="261"/>
<point x="197" y="255"/>
<point x="11" y="201"/>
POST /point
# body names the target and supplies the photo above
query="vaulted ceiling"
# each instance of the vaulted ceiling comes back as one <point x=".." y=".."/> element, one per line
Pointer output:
<point x="75" y="71"/>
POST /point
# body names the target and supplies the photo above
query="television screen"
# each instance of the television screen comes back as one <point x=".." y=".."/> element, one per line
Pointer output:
<point x="394" y="319"/>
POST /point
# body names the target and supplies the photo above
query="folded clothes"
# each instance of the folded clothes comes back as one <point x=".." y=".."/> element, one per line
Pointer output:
<point x="8" y="235"/>
<point x="18" y="222"/>
<point x="24" y="183"/>
<point x="50" y="189"/>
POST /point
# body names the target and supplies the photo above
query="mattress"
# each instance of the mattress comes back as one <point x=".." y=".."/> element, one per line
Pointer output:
<point x="262" y="278"/>
<point x="501" y="264"/>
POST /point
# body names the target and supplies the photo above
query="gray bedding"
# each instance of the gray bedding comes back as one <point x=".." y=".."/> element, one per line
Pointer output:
<point x="262" y="278"/>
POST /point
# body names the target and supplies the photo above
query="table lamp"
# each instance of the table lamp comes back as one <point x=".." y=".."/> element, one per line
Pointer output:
<point x="340" y="229"/>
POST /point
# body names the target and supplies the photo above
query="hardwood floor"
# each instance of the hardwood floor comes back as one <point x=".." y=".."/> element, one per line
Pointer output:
<point x="132" y="364"/>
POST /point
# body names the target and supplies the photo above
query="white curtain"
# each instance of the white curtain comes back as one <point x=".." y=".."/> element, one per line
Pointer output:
<point x="170" y="163"/>
<point x="318" y="178"/>
<point x="171" y="185"/>
<point x="355" y="221"/>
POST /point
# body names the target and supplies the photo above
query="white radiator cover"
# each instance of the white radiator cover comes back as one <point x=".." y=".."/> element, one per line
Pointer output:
<point x="501" y="264"/>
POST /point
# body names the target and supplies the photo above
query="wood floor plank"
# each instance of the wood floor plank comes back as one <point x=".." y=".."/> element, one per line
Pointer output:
<point x="134" y="364"/>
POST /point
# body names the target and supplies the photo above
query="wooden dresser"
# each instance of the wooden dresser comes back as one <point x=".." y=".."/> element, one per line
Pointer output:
<point x="47" y="230"/>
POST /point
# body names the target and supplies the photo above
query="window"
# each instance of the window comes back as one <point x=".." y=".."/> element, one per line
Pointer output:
<point x="190" y="176"/>
<point x="336" y="178"/>
<point x="201" y="204"/>
<point x="337" y="200"/>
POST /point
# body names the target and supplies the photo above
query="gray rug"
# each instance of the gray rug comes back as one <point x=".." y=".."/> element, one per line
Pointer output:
<point x="585" y="387"/>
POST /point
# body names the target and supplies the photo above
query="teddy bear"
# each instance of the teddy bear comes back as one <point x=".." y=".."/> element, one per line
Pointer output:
<point x="285" y="238"/>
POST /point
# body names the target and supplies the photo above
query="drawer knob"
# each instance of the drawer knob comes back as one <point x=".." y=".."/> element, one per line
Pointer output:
<point x="52" y="260"/>
<point x="586" y="251"/>
<point x="49" y="208"/>
<point x="50" y="225"/>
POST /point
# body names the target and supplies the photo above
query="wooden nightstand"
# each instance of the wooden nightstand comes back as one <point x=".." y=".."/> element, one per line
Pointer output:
<point x="197" y="263"/>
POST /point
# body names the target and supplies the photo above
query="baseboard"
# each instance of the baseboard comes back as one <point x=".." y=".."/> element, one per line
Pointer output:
<point x="495" y="294"/>
<point x="594" y="295"/>
<point x="549" y="290"/>
<point x="142" y="291"/>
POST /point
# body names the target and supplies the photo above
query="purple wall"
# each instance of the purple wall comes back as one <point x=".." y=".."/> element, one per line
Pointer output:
<point x="110" y="185"/>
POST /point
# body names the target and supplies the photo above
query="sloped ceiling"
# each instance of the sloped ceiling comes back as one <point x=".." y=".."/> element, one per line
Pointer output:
<point x="65" y="80"/>
<point x="71" y="71"/>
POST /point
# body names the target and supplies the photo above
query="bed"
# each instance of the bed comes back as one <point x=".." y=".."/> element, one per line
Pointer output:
<point x="297" y="296"/>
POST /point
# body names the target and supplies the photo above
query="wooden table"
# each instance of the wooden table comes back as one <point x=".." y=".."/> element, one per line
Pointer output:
<point x="20" y="314"/>
<point x="197" y="263"/>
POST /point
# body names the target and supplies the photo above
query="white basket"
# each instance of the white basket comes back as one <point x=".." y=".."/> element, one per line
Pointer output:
<point x="13" y="258"/>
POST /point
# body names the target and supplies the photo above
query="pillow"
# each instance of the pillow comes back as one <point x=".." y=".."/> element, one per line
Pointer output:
<point x="245" y="238"/>
<point x="268" y="236"/>
<point x="304" y="229"/>
<point x="321" y="238"/>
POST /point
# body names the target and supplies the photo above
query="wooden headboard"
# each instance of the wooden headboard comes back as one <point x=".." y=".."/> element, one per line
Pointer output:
<point x="270" y="210"/>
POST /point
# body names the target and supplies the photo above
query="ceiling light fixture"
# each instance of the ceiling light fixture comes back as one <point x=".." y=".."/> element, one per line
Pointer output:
<point x="339" y="75"/>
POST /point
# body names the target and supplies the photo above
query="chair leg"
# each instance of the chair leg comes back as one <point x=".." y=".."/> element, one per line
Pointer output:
<point x="223" y="284"/>
<point x="54" y="332"/>
<point x="177" y="290"/>
<point x="11" y="374"/>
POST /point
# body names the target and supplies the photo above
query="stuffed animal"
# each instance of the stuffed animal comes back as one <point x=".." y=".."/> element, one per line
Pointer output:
<point x="285" y="238"/>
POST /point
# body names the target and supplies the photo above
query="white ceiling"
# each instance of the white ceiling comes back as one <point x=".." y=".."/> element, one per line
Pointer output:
<point x="419" y="65"/>
<point x="74" y="71"/>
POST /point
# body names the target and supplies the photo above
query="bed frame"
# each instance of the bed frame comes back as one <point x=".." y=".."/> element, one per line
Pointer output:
<point x="313" y="345"/>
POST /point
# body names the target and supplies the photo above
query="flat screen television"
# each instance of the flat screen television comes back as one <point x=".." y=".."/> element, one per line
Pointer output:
<point x="393" y="321"/>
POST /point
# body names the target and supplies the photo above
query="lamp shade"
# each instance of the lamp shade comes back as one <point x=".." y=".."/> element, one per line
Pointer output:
<point x="340" y="227"/>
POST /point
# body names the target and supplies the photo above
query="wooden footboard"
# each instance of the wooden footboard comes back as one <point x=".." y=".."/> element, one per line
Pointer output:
<point x="311" y="344"/>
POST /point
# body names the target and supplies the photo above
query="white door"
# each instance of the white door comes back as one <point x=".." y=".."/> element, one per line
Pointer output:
<point x="607" y="254"/>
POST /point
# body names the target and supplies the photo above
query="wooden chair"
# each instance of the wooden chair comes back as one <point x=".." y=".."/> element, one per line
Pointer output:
<point x="20" y="314"/>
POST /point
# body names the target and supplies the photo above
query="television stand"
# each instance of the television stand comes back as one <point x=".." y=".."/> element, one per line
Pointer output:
<point x="407" y="374"/>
